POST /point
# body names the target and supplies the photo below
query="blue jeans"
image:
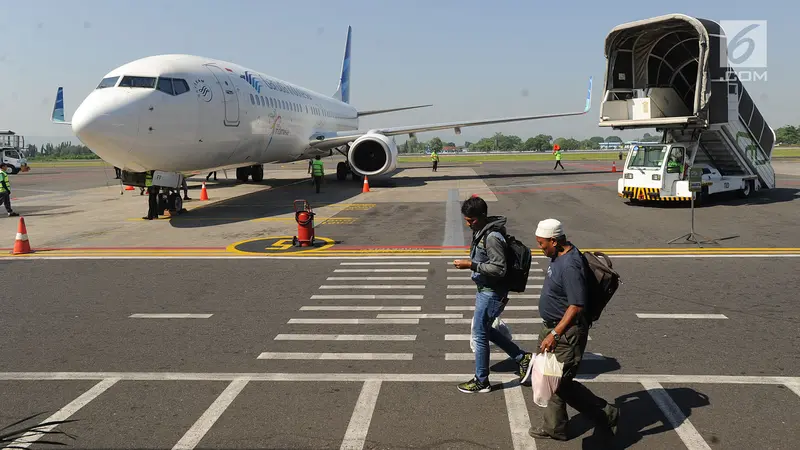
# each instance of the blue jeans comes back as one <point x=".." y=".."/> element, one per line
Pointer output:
<point x="489" y="306"/>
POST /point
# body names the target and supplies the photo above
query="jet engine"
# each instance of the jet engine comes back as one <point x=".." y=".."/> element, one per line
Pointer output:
<point x="373" y="155"/>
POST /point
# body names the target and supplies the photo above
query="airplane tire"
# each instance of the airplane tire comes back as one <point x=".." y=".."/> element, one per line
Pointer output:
<point x="341" y="171"/>
<point x="175" y="203"/>
<point x="242" y="173"/>
<point x="257" y="172"/>
<point x="747" y="191"/>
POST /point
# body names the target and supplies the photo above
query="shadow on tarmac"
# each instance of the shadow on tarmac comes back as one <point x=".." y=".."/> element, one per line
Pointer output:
<point x="775" y="195"/>
<point x="639" y="417"/>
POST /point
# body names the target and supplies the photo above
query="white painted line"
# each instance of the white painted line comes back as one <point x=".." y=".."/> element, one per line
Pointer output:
<point x="386" y="263"/>
<point x="381" y="270"/>
<point x="170" y="316"/>
<point x="518" y="419"/>
<point x="466" y="278"/>
<point x="687" y="432"/>
<point x="367" y="297"/>
<point x="195" y="434"/>
<point x="680" y="316"/>
<point x="390" y="377"/>
<point x="66" y="412"/>
<point x="506" y="320"/>
<point x="376" y="278"/>
<point x="357" y="429"/>
<point x="373" y="286"/>
<point x="502" y="356"/>
<point x="420" y="316"/>
<point x="339" y="257"/>
<point x="472" y="296"/>
<point x="467" y="337"/>
<point x="346" y="337"/>
<point x="507" y="308"/>
<point x="338" y="356"/>
<point x="353" y="321"/>
<point x="361" y="308"/>
<point x="795" y="387"/>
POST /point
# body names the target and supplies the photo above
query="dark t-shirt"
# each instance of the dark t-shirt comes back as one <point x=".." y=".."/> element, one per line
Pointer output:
<point x="564" y="285"/>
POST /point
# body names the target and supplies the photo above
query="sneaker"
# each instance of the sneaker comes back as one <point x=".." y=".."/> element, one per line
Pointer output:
<point x="472" y="386"/>
<point x="525" y="367"/>
<point x="13" y="214"/>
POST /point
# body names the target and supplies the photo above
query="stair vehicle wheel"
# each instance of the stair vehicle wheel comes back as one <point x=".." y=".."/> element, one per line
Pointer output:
<point x="175" y="203"/>
<point x="747" y="190"/>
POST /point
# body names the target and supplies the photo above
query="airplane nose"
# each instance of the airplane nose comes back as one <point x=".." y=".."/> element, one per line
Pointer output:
<point x="108" y="125"/>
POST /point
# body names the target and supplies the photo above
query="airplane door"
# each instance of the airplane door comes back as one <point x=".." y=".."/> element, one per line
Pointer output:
<point x="229" y="96"/>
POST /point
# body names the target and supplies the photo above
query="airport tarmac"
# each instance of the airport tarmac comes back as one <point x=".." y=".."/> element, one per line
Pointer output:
<point x="359" y="344"/>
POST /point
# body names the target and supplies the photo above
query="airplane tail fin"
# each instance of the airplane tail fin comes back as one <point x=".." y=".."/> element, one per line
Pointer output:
<point x="58" y="108"/>
<point x="343" y="91"/>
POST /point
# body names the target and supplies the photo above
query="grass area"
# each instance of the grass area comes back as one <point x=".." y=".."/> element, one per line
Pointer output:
<point x="786" y="152"/>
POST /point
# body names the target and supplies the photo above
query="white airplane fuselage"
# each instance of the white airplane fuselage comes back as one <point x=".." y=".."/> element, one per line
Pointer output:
<point x="229" y="117"/>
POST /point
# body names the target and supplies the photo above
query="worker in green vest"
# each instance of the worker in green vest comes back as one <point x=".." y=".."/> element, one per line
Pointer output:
<point x="5" y="189"/>
<point x="152" y="199"/>
<point x="435" y="160"/>
<point x="557" y="151"/>
<point x="317" y="171"/>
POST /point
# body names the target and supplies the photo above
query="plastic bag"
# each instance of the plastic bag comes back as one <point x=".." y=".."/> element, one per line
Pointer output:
<point x="546" y="376"/>
<point x="498" y="325"/>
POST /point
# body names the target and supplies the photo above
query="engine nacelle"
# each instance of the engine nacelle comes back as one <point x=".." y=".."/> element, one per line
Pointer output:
<point x="373" y="155"/>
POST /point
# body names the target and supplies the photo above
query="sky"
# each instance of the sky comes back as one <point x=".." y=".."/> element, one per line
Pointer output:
<point x="471" y="59"/>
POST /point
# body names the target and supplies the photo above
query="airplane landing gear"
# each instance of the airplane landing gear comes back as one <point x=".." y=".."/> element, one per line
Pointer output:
<point x="256" y="172"/>
<point x="343" y="169"/>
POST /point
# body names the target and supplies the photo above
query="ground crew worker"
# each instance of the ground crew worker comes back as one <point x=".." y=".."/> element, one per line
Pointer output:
<point x="435" y="160"/>
<point x="557" y="151"/>
<point x="152" y="199"/>
<point x="5" y="189"/>
<point x="565" y="330"/>
<point x="317" y="171"/>
<point x="185" y="189"/>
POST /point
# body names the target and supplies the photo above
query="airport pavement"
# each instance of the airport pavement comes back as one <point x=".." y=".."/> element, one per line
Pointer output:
<point x="300" y="354"/>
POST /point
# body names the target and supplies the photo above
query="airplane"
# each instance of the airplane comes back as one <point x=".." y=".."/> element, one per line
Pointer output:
<point x="178" y="115"/>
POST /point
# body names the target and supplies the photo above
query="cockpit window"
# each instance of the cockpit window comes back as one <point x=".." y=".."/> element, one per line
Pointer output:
<point x="172" y="86"/>
<point x="138" y="82"/>
<point x="107" y="82"/>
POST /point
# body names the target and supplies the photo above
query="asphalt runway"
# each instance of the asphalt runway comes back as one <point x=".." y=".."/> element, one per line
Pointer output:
<point x="364" y="352"/>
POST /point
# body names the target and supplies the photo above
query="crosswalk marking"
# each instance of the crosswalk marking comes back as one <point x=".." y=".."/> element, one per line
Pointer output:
<point x="377" y="278"/>
<point x="356" y="435"/>
<point x="338" y="356"/>
<point x="511" y="296"/>
<point x="514" y="337"/>
<point x="346" y="337"/>
<point x="420" y="316"/>
<point x="170" y="316"/>
<point x="502" y="356"/>
<point x="680" y="423"/>
<point x="465" y="278"/>
<point x="361" y="308"/>
<point x="386" y="263"/>
<point x="507" y="308"/>
<point x="518" y="419"/>
<point x="373" y="286"/>
<point x="381" y="270"/>
<point x="210" y="416"/>
<point x="680" y="316"/>
<point x="367" y="297"/>
<point x="506" y="320"/>
<point x="329" y="321"/>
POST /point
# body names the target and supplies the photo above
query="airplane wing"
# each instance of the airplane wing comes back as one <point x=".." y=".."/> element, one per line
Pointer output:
<point x="382" y="111"/>
<point x="58" y="108"/>
<point x="336" y="139"/>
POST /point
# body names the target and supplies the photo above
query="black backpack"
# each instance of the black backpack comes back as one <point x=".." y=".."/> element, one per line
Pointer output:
<point x="518" y="263"/>
<point x="603" y="285"/>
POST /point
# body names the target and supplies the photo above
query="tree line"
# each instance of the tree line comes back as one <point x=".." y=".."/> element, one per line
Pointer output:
<point x="788" y="135"/>
<point x="501" y="142"/>
<point x="64" y="150"/>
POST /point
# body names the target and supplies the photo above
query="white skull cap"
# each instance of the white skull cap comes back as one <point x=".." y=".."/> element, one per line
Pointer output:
<point x="549" y="228"/>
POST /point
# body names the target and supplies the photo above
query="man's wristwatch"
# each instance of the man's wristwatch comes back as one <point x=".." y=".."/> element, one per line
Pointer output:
<point x="556" y="336"/>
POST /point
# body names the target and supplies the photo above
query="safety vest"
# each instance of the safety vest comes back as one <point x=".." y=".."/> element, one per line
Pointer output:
<point x="317" y="168"/>
<point x="558" y="155"/>
<point x="435" y="157"/>
<point x="148" y="178"/>
<point x="4" y="177"/>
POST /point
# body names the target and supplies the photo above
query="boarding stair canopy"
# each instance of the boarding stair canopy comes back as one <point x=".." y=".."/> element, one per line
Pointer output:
<point x="667" y="73"/>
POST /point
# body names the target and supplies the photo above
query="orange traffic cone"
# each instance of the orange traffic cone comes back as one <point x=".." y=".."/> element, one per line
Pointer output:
<point x="613" y="166"/>
<point x="21" y="244"/>
<point x="129" y="188"/>
<point x="203" y="192"/>
<point x="366" y="185"/>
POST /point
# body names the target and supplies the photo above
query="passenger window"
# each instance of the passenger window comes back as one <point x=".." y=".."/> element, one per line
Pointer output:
<point x="252" y="100"/>
<point x="180" y="86"/>
<point x="107" y="82"/>
<point x="165" y="86"/>
<point x="138" y="82"/>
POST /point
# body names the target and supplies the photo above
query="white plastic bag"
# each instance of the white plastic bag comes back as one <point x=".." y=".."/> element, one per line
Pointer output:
<point x="498" y="325"/>
<point x="546" y="376"/>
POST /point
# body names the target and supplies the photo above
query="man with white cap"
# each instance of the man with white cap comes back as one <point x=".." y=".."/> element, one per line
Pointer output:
<point x="565" y="294"/>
